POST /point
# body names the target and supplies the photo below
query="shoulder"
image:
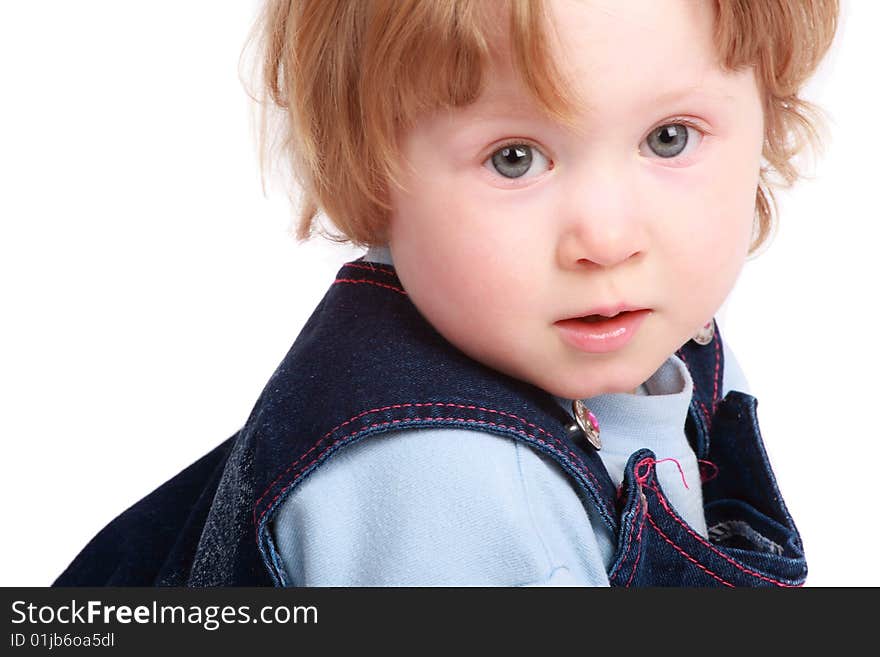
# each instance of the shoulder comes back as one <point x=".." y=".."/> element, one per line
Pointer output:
<point x="436" y="507"/>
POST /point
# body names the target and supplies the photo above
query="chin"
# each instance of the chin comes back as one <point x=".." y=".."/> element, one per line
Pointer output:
<point x="580" y="392"/>
<point x="575" y="388"/>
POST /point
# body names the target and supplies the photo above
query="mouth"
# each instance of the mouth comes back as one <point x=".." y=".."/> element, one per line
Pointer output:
<point x="605" y="313"/>
<point x="598" y="332"/>
<point x="593" y="319"/>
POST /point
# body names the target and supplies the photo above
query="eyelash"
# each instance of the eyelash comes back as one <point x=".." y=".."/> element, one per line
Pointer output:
<point x="672" y="121"/>
<point x="680" y="120"/>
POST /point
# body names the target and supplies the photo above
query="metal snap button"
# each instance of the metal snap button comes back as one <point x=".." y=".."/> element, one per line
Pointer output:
<point x="587" y="423"/>
<point x="706" y="334"/>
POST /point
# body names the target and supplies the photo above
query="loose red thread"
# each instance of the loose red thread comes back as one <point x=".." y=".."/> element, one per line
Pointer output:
<point x="649" y="463"/>
<point x="704" y="476"/>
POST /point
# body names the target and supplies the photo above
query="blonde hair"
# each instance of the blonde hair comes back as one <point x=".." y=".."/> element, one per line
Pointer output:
<point x="343" y="77"/>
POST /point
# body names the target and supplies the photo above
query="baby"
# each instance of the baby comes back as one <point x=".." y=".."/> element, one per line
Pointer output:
<point x="521" y="382"/>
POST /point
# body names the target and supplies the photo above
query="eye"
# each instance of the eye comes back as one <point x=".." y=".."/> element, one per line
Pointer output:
<point x="673" y="139"/>
<point x="514" y="159"/>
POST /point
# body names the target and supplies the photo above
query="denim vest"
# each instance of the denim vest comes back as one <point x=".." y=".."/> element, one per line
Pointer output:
<point x="367" y="362"/>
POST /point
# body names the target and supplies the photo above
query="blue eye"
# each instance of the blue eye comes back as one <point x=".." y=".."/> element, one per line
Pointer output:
<point x="671" y="139"/>
<point x="515" y="159"/>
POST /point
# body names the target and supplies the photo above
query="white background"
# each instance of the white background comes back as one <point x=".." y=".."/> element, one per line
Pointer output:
<point x="149" y="289"/>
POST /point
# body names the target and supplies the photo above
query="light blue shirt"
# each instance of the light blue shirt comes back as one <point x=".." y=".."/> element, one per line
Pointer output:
<point x="455" y="507"/>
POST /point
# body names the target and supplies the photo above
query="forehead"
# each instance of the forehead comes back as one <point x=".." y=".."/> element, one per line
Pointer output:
<point x="614" y="54"/>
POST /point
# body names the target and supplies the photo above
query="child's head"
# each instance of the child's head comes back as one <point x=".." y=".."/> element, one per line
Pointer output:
<point x="530" y="162"/>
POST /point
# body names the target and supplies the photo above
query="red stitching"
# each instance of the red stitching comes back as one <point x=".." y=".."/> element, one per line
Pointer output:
<point x="703" y="541"/>
<point x="686" y="555"/>
<point x="375" y="268"/>
<point x="419" y="405"/>
<point x="717" y="366"/>
<point x="378" y="424"/>
<point x="632" y="530"/>
<point x="639" y="554"/>
<point x="706" y="414"/>
<point x="352" y="280"/>
<point x="642" y="478"/>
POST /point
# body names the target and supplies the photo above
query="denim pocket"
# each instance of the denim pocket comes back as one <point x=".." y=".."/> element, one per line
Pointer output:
<point x="736" y="524"/>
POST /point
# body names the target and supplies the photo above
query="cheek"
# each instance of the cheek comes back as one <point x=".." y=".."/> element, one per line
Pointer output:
<point x="431" y="242"/>
<point x="441" y="261"/>
<point x="452" y="231"/>
<point x="707" y="238"/>
<point x="730" y="212"/>
<point x="715" y="252"/>
<point x="723" y="192"/>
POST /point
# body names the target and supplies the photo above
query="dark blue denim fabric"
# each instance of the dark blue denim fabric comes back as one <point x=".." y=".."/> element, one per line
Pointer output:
<point x="367" y="362"/>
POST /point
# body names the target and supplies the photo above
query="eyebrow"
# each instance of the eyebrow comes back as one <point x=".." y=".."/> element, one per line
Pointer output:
<point x="694" y="90"/>
<point x="501" y="108"/>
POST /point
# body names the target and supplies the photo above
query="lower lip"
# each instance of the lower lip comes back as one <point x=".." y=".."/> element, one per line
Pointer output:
<point x="607" y="335"/>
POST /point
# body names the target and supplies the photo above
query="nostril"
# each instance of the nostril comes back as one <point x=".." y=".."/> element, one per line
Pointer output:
<point x="588" y="264"/>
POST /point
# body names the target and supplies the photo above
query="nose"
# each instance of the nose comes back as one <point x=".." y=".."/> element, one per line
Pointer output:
<point x="601" y="222"/>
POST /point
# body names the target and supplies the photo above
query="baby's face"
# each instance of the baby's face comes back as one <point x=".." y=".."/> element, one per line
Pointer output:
<point x="650" y="203"/>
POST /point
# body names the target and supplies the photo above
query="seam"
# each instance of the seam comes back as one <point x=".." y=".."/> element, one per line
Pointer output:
<point x="517" y="455"/>
<point x="420" y="405"/>
<point x="706" y="414"/>
<point x="628" y="545"/>
<point x="277" y="561"/>
<point x="305" y="467"/>
<point x="377" y="267"/>
<point x="717" y="367"/>
<point x="639" y="552"/>
<point x="553" y="571"/>
<point x="686" y="555"/>
<point x="369" y="282"/>
<point x="712" y="548"/>
<point x="695" y="397"/>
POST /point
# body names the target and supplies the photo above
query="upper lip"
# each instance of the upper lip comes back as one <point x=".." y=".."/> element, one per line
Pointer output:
<point x="607" y="310"/>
